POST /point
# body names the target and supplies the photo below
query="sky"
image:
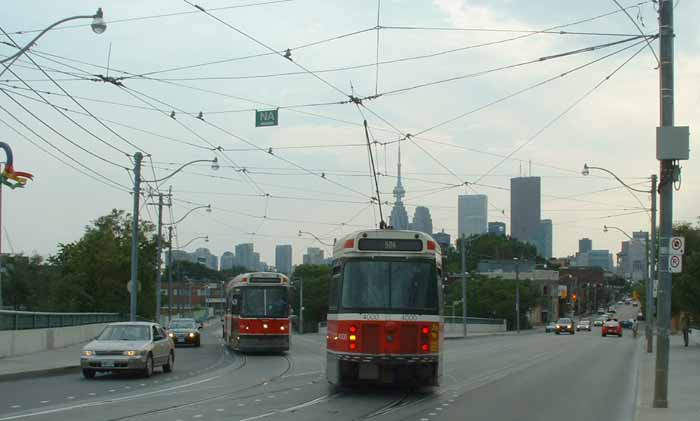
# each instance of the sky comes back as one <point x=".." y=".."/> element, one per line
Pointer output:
<point x="483" y="99"/>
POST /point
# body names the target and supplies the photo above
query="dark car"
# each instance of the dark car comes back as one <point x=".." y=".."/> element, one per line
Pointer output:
<point x="627" y="324"/>
<point x="184" y="332"/>
<point x="565" y="325"/>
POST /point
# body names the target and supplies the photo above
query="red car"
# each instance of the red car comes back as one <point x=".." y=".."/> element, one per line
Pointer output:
<point x="612" y="327"/>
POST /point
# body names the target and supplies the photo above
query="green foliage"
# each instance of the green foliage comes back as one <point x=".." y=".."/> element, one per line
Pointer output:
<point x="488" y="246"/>
<point x="90" y="274"/>
<point x="493" y="298"/>
<point x="316" y="279"/>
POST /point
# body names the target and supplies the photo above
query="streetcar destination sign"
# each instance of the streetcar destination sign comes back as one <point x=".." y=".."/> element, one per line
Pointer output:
<point x="380" y="244"/>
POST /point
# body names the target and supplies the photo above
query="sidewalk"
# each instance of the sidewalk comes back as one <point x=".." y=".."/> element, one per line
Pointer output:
<point x="53" y="362"/>
<point x="683" y="382"/>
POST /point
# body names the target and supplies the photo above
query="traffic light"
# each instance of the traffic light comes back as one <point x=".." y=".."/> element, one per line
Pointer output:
<point x="574" y="297"/>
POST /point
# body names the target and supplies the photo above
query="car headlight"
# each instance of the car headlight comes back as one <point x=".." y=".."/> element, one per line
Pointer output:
<point x="558" y="327"/>
<point x="87" y="353"/>
<point x="191" y="335"/>
<point x="171" y="334"/>
<point x="132" y="353"/>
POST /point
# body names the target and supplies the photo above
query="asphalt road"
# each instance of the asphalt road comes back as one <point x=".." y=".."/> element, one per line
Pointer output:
<point x="532" y="376"/>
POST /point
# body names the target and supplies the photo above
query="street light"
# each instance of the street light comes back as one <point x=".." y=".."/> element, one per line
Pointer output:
<point x="606" y="228"/>
<point x="651" y="250"/>
<point x="315" y="237"/>
<point x="159" y="251"/>
<point x="98" y="26"/>
<point x="138" y="157"/>
<point x="201" y="237"/>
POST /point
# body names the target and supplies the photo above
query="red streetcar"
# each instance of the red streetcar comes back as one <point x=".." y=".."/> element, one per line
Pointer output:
<point x="257" y="312"/>
<point x="384" y="323"/>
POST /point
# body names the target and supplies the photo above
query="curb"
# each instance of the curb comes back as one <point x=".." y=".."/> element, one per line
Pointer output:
<point x="48" y="372"/>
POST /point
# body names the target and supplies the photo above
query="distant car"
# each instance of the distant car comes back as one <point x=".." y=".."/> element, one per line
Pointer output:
<point x="565" y="325"/>
<point x="611" y="310"/>
<point x="620" y="303"/>
<point x="612" y="327"/>
<point x="583" y="325"/>
<point x="640" y="316"/>
<point x="635" y="304"/>
<point x="627" y="324"/>
<point x="601" y="310"/>
<point x="599" y="321"/>
<point x="185" y="332"/>
<point x="551" y="327"/>
<point x="128" y="346"/>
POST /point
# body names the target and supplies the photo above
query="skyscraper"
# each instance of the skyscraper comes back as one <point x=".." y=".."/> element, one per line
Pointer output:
<point x="226" y="261"/>
<point x="497" y="228"/>
<point x="544" y="239"/>
<point x="313" y="256"/>
<point x="472" y="214"/>
<point x="443" y="239"/>
<point x="422" y="221"/>
<point x="283" y="258"/>
<point x="399" y="217"/>
<point x="203" y="256"/>
<point x="585" y="245"/>
<point x="244" y="256"/>
<point x="525" y="197"/>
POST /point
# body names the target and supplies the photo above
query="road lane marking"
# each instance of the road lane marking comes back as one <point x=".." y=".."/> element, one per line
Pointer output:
<point x="44" y="401"/>
<point x="306" y="373"/>
<point x="197" y="416"/>
<point x="105" y="402"/>
<point x="70" y="398"/>
<point x="289" y="409"/>
<point x="15" y="406"/>
<point x="219" y="409"/>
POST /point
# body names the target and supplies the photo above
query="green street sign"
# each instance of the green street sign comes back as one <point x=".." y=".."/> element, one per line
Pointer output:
<point x="266" y="118"/>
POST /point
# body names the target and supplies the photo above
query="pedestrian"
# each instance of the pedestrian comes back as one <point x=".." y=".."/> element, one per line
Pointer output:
<point x="685" y="327"/>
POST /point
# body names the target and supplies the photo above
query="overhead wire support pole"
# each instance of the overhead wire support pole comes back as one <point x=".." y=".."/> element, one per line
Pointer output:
<point x="666" y="179"/>
<point x="462" y="247"/>
<point x="653" y="264"/>
<point x="138" y="157"/>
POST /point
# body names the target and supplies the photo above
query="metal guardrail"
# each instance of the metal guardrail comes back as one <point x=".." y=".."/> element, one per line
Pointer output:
<point x="18" y="320"/>
<point x="474" y="320"/>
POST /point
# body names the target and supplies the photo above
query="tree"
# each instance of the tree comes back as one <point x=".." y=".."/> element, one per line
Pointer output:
<point x="488" y="246"/>
<point x="316" y="279"/>
<point x="92" y="272"/>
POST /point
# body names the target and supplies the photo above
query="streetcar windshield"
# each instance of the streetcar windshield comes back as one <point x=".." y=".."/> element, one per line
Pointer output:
<point x="265" y="302"/>
<point x="391" y="285"/>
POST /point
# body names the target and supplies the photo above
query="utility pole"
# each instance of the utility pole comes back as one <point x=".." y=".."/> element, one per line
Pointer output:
<point x="138" y="156"/>
<point x="464" y="286"/>
<point x="666" y="173"/>
<point x="170" y="273"/>
<point x="651" y="256"/>
<point x="517" y="294"/>
<point x="159" y="274"/>
<point x="301" y="305"/>
<point x="1" y="267"/>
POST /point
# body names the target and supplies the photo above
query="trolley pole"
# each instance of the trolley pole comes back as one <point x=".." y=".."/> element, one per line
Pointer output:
<point x="667" y="170"/>
<point x="464" y="287"/>
<point x="159" y="273"/>
<point x="170" y="273"/>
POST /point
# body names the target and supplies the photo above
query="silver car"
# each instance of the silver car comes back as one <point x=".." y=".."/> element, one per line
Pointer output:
<point x="128" y="346"/>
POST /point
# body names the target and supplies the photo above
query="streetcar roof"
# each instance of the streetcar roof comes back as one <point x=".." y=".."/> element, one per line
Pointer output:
<point x="260" y="278"/>
<point x="398" y="243"/>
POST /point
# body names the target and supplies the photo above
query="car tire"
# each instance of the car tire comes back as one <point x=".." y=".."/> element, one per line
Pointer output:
<point x="556" y="333"/>
<point x="148" y="371"/>
<point x="573" y="333"/>
<point x="168" y="367"/>
<point x="88" y="374"/>
<point x="604" y="335"/>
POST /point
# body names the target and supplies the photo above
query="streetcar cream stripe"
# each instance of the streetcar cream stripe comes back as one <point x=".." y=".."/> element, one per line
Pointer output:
<point x="407" y="317"/>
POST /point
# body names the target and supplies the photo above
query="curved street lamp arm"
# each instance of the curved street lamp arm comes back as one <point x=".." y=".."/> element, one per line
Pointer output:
<point x="316" y="238"/>
<point x="213" y="161"/>
<point x="30" y="43"/>
<point x="606" y="227"/>
<point x="189" y="212"/>
<point x="205" y="237"/>
<point x="586" y="167"/>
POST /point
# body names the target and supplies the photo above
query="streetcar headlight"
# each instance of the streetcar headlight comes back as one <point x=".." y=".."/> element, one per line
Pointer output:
<point x="281" y="327"/>
<point x="264" y="325"/>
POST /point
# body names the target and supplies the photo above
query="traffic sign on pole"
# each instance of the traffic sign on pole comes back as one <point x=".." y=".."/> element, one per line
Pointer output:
<point x="676" y="246"/>
<point x="675" y="264"/>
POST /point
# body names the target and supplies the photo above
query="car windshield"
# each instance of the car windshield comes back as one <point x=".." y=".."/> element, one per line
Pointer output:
<point x="390" y="285"/>
<point x="265" y="302"/>
<point x="125" y="333"/>
<point x="564" y="321"/>
<point x="182" y="324"/>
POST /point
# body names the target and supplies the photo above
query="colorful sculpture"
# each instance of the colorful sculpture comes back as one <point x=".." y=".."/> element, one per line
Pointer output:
<point x="9" y="176"/>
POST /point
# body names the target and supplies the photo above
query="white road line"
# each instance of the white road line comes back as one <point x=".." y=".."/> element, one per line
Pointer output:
<point x="70" y="398"/>
<point x="92" y="393"/>
<point x="306" y="373"/>
<point x="432" y="414"/>
<point x="197" y="416"/>
<point x="289" y="409"/>
<point x="241" y="404"/>
<point x="106" y="402"/>
<point x="15" y="406"/>
<point x="111" y="390"/>
<point x="44" y="401"/>
<point x="219" y="409"/>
